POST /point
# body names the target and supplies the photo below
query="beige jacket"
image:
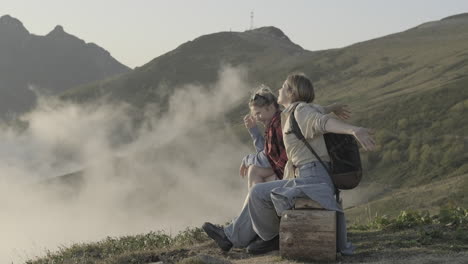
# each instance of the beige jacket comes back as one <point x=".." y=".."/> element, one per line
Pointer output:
<point x="311" y="120"/>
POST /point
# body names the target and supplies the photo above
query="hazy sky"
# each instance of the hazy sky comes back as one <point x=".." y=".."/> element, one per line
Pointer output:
<point x="136" y="31"/>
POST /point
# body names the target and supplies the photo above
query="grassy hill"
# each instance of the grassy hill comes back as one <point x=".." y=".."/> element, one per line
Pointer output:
<point x="411" y="237"/>
<point x="410" y="87"/>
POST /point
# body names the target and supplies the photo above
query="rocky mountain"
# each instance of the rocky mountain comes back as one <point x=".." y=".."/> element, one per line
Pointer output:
<point x="51" y="64"/>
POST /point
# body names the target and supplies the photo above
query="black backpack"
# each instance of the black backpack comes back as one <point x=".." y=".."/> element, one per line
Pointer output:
<point x="346" y="169"/>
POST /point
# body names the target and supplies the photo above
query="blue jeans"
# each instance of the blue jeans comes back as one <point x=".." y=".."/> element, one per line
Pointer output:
<point x="268" y="200"/>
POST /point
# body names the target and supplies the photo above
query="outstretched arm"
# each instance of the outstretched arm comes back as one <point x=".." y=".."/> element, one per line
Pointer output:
<point x="311" y="122"/>
<point x="363" y="135"/>
<point x="340" y="110"/>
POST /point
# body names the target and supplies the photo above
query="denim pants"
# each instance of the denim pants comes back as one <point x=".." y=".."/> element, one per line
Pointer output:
<point x="266" y="202"/>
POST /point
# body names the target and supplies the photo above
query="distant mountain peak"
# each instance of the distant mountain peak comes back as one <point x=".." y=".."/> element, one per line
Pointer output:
<point x="49" y="62"/>
<point x="270" y="30"/>
<point x="10" y="22"/>
<point x="59" y="29"/>
<point x="57" y="32"/>
<point x="272" y="35"/>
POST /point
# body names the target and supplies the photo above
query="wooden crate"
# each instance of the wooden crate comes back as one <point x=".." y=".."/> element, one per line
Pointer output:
<point x="308" y="235"/>
<point x="306" y="203"/>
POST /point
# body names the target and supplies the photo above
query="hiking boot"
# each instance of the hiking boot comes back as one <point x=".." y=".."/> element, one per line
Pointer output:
<point x="260" y="246"/>
<point x="218" y="235"/>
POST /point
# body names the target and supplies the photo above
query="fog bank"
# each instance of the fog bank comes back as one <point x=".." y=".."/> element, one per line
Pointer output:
<point x="177" y="169"/>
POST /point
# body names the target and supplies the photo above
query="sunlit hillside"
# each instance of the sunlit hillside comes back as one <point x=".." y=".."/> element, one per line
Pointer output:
<point x="410" y="87"/>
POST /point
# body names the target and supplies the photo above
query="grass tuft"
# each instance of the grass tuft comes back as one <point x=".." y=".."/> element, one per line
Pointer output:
<point x="127" y="249"/>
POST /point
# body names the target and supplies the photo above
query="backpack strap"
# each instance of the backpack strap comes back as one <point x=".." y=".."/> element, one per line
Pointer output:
<point x="296" y="130"/>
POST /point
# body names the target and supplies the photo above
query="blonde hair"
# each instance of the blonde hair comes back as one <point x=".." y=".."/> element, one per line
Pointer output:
<point x="301" y="87"/>
<point x="263" y="97"/>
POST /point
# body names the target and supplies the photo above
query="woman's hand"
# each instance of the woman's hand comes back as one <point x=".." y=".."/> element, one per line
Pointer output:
<point x="364" y="136"/>
<point x="340" y="110"/>
<point x="243" y="170"/>
<point x="249" y="121"/>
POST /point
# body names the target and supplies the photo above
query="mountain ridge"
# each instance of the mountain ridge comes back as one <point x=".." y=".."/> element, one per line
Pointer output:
<point x="52" y="63"/>
<point x="289" y="57"/>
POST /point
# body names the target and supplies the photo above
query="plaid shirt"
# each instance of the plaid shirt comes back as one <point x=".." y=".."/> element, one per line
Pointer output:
<point x="274" y="146"/>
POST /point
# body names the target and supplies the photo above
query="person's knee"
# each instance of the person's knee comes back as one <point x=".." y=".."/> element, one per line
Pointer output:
<point x="254" y="191"/>
<point x="254" y="179"/>
<point x="270" y="178"/>
<point x="260" y="172"/>
<point x="253" y="171"/>
<point x="258" y="192"/>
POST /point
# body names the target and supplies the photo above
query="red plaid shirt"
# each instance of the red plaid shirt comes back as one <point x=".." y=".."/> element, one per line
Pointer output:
<point x="274" y="146"/>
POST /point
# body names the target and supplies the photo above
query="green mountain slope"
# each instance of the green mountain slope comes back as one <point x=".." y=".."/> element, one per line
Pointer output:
<point x="409" y="86"/>
<point x="422" y="58"/>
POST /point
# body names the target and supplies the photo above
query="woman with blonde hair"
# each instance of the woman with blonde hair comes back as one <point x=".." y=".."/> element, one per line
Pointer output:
<point x="257" y="226"/>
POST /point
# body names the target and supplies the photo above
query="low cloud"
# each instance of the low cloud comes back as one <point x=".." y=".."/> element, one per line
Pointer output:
<point x="175" y="169"/>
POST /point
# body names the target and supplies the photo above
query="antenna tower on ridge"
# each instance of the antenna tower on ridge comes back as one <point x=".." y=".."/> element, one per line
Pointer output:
<point x="251" y="20"/>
